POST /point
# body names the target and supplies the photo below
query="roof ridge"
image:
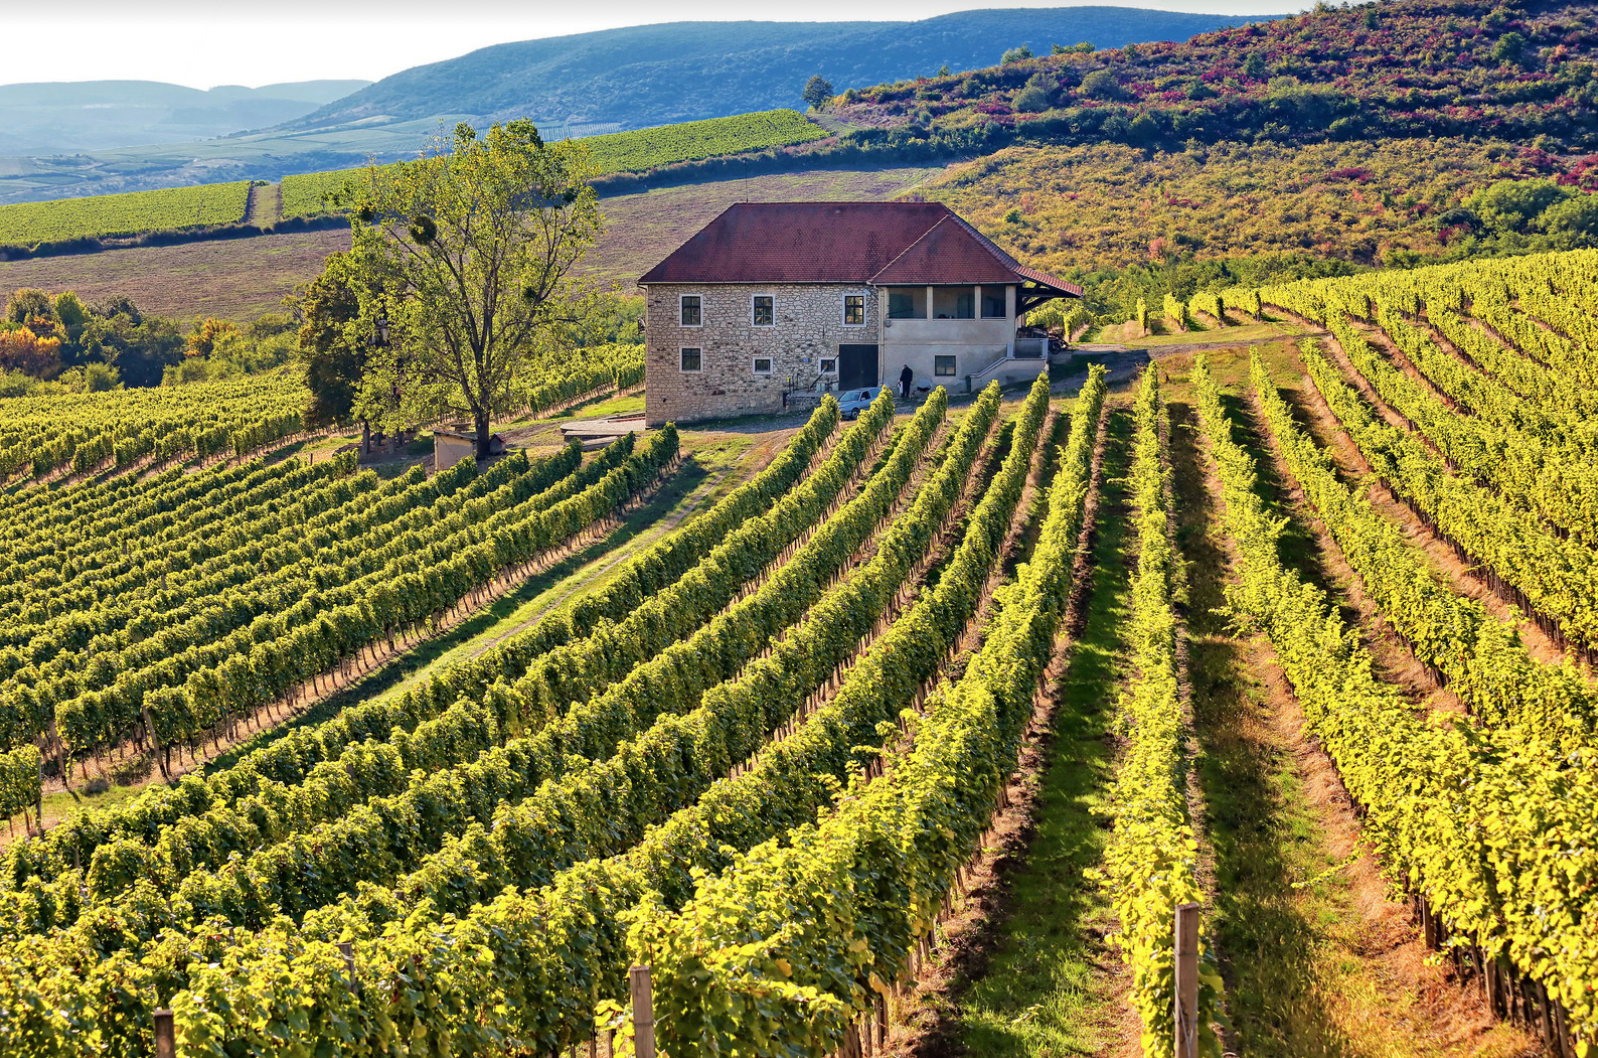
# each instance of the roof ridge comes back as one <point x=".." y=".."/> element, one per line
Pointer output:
<point x="947" y="213"/>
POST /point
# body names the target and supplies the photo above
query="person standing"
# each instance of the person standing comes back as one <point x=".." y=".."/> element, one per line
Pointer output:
<point x="906" y="377"/>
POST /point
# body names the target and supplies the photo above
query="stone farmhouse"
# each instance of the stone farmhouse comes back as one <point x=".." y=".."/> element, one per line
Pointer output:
<point x="774" y="302"/>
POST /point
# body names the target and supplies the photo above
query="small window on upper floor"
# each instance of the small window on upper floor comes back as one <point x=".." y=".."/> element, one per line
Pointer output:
<point x="765" y="311"/>
<point x="993" y="303"/>
<point x="854" y="310"/>
<point x="691" y="316"/>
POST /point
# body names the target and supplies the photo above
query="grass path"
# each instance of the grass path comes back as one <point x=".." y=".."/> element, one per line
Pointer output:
<point x="1317" y="960"/>
<point x="1039" y="977"/>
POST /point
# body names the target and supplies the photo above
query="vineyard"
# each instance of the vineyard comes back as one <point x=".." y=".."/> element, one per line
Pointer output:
<point x="41" y="437"/>
<point x="616" y="152"/>
<point x="105" y="216"/>
<point x="741" y="791"/>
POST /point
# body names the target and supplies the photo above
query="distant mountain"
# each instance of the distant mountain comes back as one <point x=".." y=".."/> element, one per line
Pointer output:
<point x="54" y="117"/>
<point x="683" y="71"/>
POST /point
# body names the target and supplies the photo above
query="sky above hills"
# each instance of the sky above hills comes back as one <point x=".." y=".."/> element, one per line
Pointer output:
<point x="202" y="44"/>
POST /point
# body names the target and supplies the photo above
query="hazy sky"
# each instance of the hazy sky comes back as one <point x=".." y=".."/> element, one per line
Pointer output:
<point x="204" y="43"/>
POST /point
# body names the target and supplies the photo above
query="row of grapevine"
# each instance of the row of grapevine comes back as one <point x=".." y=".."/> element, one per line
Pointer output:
<point x="417" y="724"/>
<point x="161" y="639"/>
<point x="40" y="435"/>
<point x="545" y="768"/>
<point x="1210" y="302"/>
<point x="1492" y="826"/>
<point x="1557" y="579"/>
<point x="19" y="780"/>
<point x="172" y="955"/>
<point x="796" y="940"/>
<point x="1151" y="862"/>
<point x="617" y="366"/>
<point x="422" y="574"/>
<point x="1176" y="313"/>
<point x="1480" y="657"/>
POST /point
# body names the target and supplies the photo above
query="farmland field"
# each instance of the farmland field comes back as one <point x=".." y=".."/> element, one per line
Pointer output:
<point x="237" y="279"/>
<point x="124" y="214"/>
<point x="244" y="278"/>
<point x="618" y="152"/>
<point x="1319" y="567"/>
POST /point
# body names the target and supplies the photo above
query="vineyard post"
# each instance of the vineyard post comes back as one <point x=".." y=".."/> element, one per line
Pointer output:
<point x="1187" y="922"/>
<point x="643" y="1012"/>
<point x="166" y="1045"/>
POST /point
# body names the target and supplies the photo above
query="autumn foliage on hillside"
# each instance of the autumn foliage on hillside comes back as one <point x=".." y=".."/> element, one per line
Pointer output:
<point x="1406" y="68"/>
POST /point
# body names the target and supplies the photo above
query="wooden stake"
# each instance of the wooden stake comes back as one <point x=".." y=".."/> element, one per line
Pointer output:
<point x="348" y="950"/>
<point x="1187" y="923"/>
<point x="166" y="1043"/>
<point x="643" y="1012"/>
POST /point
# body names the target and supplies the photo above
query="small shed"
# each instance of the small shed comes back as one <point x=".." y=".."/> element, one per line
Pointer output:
<point x="453" y="445"/>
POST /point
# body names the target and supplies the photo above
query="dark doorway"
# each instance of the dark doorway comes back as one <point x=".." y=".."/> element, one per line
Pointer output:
<point x="857" y="366"/>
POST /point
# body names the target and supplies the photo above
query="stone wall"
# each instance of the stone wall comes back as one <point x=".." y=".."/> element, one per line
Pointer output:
<point x="808" y="326"/>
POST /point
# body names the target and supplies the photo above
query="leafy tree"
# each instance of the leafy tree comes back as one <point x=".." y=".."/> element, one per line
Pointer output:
<point x="943" y="71"/>
<point x="119" y="305"/>
<point x="1576" y="217"/>
<point x="1512" y="205"/>
<point x="334" y="343"/>
<point x="29" y="304"/>
<point x="465" y="257"/>
<point x="817" y="91"/>
<point x="207" y="332"/>
<point x="1019" y="54"/>
<point x="1254" y="66"/>
<point x="70" y="310"/>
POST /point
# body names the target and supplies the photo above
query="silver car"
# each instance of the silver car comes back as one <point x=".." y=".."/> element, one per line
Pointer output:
<point x="854" y="401"/>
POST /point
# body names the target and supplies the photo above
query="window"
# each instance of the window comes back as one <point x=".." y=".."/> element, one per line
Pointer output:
<point x="762" y="365"/>
<point x="765" y="311"/>
<point x="993" y="303"/>
<point x="954" y="303"/>
<point x="690" y="312"/>
<point x="829" y="365"/>
<point x="907" y="303"/>
<point x="854" y="310"/>
<point x="690" y="359"/>
<point x="943" y="366"/>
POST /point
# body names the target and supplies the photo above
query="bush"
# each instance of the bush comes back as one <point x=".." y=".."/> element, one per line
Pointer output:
<point x="1101" y="84"/>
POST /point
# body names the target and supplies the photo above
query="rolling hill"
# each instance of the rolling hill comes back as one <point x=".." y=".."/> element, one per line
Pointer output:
<point x="589" y="83"/>
<point x="51" y="117"/>
<point x="684" y="71"/>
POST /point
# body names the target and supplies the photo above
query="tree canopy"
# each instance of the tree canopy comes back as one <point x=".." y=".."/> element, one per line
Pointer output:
<point x="462" y="264"/>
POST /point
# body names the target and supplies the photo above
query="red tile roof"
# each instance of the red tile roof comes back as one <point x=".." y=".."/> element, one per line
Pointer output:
<point x="843" y="242"/>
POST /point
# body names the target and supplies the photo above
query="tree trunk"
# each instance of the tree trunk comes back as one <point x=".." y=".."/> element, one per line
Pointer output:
<point x="366" y="439"/>
<point x="483" y="434"/>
